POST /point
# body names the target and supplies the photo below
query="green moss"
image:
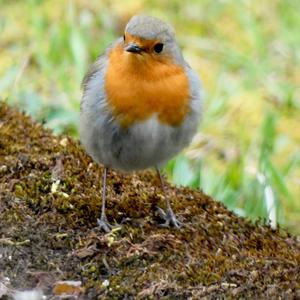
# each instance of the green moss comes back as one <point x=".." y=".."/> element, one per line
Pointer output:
<point x="50" y="197"/>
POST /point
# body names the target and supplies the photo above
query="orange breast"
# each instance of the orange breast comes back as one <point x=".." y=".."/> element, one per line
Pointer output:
<point x="138" y="86"/>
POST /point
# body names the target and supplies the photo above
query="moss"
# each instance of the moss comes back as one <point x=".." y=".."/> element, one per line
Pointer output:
<point x="49" y="202"/>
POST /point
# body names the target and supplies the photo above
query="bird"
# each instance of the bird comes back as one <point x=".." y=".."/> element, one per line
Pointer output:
<point x="141" y="105"/>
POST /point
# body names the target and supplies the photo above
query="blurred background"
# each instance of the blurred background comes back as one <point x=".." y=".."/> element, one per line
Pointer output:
<point x="247" y="54"/>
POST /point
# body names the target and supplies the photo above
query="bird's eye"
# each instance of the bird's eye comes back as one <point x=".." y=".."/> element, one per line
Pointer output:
<point x="158" y="47"/>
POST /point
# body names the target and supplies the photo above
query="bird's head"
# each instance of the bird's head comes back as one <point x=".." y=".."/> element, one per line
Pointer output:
<point x="148" y="37"/>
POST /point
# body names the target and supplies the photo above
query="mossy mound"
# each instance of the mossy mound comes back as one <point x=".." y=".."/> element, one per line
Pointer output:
<point x="49" y="202"/>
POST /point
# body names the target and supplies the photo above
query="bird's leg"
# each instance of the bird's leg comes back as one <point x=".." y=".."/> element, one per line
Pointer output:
<point x="168" y="215"/>
<point x="102" y="222"/>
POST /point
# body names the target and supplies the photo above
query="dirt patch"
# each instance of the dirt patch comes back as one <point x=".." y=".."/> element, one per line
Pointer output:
<point x="49" y="202"/>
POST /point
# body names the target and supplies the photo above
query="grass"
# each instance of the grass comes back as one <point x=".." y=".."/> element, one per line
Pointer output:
<point x="247" y="52"/>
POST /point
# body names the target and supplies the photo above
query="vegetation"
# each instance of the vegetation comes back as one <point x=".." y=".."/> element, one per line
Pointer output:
<point x="49" y="243"/>
<point x="247" y="52"/>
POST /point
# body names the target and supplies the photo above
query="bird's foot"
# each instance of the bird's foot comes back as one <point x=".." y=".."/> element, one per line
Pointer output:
<point x="104" y="225"/>
<point x="169" y="217"/>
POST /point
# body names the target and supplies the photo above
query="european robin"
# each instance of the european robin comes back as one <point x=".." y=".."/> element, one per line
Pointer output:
<point x="141" y="104"/>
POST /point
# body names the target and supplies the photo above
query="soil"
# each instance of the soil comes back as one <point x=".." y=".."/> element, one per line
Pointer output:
<point x="50" y="199"/>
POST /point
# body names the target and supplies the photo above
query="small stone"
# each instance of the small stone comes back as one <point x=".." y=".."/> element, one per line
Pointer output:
<point x="29" y="295"/>
<point x="54" y="186"/>
<point x="219" y="251"/>
<point x="63" y="142"/>
<point x="105" y="283"/>
<point x="3" y="169"/>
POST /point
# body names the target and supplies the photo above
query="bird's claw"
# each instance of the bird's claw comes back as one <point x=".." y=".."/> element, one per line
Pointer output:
<point x="104" y="225"/>
<point x="169" y="217"/>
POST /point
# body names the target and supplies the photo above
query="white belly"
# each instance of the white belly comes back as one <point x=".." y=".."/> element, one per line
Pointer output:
<point x="143" y="145"/>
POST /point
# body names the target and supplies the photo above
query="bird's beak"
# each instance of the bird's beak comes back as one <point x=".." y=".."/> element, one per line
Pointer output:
<point x="134" y="48"/>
